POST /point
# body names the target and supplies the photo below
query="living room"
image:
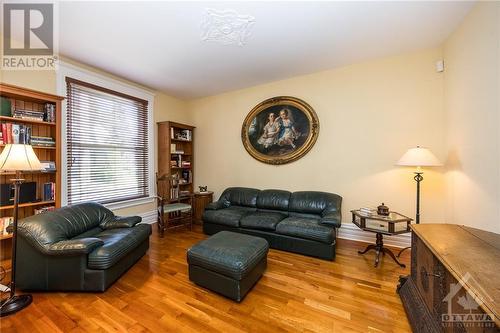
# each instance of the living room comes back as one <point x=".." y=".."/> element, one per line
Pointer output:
<point x="336" y="158"/>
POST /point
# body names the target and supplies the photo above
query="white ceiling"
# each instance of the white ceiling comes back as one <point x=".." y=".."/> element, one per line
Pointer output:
<point x="158" y="44"/>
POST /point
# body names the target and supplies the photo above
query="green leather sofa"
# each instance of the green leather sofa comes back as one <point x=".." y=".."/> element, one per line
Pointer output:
<point x="83" y="247"/>
<point x="304" y="222"/>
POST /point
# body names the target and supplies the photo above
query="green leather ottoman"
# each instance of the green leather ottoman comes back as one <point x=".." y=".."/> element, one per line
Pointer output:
<point x="228" y="263"/>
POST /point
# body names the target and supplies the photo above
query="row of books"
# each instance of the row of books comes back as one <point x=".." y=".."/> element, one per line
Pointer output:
<point x="15" y="133"/>
<point x="44" y="209"/>
<point x="185" y="135"/>
<point x="19" y="133"/>
<point x="48" y="114"/>
<point x="6" y="224"/>
<point x="173" y="149"/>
<point x="28" y="114"/>
<point x="175" y="193"/>
<point x="178" y="161"/>
<point x="43" y="141"/>
<point x="49" y="191"/>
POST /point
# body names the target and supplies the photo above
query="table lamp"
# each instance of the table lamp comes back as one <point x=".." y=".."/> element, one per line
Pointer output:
<point x="418" y="157"/>
<point x="16" y="158"/>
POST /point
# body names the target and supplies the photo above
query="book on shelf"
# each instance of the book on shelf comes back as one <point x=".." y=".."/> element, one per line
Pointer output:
<point x="6" y="224"/>
<point x="48" y="166"/>
<point x="44" y="209"/>
<point x="28" y="114"/>
<point x="5" y="107"/>
<point x="184" y="193"/>
<point x="49" y="112"/>
<point x="178" y="161"/>
<point x="15" y="133"/>
<point x="49" y="191"/>
<point x="42" y="141"/>
<point x="174" y="193"/>
<point x="187" y="176"/>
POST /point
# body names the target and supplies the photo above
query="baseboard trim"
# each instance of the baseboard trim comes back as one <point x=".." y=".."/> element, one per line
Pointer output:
<point x="352" y="232"/>
<point x="148" y="217"/>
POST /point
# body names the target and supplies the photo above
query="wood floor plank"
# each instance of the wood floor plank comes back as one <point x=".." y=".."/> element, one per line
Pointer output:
<point x="296" y="294"/>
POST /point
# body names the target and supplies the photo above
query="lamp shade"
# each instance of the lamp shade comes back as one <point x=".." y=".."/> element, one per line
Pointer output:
<point x="419" y="157"/>
<point x="19" y="157"/>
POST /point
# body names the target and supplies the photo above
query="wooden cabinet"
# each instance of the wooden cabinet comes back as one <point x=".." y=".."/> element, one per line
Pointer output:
<point x="25" y="101"/>
<point x="453" y="286"/>
<point x="201" y="200"/>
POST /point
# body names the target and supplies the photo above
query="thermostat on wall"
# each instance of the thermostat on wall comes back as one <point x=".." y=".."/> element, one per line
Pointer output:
<point x="440" y="66"/>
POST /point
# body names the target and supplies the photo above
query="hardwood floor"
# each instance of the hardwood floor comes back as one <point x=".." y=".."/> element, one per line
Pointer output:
<point x="296" y="294"/>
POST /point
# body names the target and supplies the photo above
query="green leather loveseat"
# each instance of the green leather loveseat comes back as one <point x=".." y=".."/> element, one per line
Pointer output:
<point x="83" y="247"/>
<point x="303" y="222"/>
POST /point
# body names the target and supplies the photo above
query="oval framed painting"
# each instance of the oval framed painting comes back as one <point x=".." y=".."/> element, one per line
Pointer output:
<point x="280" y="130"/>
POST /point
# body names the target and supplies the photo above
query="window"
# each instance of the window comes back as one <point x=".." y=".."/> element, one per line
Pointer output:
<point x="107" y="144"/>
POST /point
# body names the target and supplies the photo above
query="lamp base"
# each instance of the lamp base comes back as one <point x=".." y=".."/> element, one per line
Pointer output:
<point x="15" y="304"/>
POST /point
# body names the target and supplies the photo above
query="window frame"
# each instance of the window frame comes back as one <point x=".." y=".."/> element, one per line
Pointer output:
<point x="69" y="70"/>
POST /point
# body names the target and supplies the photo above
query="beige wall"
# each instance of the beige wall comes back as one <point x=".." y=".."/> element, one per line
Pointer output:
<point x="369" y="113"/>
<point x="165" y="107"/>
<point x="472" y="104"/>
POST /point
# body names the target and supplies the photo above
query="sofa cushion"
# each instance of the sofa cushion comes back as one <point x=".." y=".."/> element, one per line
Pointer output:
<point x="240" y="196"/>
<point x="306" y="228"/>
<point x="273" y="199"/>
<point x="229" y="253"/>
<point x="262" y="220"/>
<point x="117" y="244"/>
<point x="227" y="216"/>
<point x="313" y="202"/>
<point x="306" y="216"/>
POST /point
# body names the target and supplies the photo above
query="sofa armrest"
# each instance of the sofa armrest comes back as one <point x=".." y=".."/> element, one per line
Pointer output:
<point x="216" y="205"/>
<point x="332" y="219"/>
<point x="74" y="246"/>
<point x="121" y="222"/>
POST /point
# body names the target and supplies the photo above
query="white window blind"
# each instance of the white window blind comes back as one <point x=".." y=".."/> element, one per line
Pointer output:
<point x="107" y="144"/>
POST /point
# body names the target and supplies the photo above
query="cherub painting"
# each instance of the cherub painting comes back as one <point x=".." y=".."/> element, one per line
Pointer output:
<point x="280" y="130"/>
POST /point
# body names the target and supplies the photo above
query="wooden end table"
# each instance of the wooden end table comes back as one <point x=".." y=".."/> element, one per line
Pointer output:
<point x="201" y="200"/>
<point x="393" y="224"/>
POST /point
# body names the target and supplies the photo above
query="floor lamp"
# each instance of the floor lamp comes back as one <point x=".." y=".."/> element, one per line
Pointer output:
<point x="16" y="158"/>
<point x="418" y="157"/>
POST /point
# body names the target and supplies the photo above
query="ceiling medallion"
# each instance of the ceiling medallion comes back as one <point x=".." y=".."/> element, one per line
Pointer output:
<point x="226" y="27"/>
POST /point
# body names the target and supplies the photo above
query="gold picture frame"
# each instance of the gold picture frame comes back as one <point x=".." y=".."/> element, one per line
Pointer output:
<point x="280" y="130"/>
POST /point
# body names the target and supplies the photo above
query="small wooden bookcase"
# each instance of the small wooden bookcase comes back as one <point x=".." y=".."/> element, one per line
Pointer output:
<point x="175" y="145"/>
<point x="30" y="100"/>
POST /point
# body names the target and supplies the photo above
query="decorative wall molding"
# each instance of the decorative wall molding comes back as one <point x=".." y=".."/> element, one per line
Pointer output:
<point x="226" y="27"/>
<point x="352" y="232"/>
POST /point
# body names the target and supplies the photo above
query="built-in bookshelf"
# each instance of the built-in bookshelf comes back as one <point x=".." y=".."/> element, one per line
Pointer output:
<point x="31" y="117"/>
<point x="175" y="157"/>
